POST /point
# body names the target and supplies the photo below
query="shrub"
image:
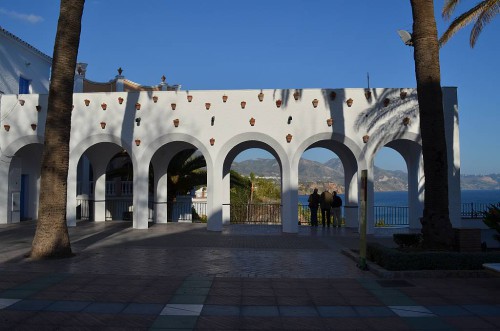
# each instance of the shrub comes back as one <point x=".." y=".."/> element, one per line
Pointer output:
<point x="491" y="218"/>
<point x="394" y="259"/>
<point x="407" y="240"/>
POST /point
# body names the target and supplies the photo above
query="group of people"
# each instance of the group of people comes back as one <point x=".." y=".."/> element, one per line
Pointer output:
<point x="329" y="204"/>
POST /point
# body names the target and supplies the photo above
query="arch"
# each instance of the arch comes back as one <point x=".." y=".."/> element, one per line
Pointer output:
<point x="17" y="144"/>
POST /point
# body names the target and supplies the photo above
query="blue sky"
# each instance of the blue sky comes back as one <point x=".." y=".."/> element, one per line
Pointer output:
<point x="229" y="44"/>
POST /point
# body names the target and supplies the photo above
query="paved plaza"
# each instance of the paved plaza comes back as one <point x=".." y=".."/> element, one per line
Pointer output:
<point x="248" y="277"/>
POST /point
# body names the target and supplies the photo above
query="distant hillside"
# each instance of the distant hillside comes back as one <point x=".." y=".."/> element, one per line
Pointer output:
<point x="330" y="175"/>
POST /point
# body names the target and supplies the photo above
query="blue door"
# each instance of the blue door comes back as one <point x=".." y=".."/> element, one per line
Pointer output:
<point x="24" y="198"/>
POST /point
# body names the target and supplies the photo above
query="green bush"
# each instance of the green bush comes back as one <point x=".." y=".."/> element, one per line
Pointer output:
<point x="394" y="259"/>
<point x="407" y="240"/>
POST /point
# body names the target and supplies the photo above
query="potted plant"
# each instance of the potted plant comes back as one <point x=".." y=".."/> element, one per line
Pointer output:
<point x="38" y="108"/>
<point x="212" y="141"/>
<point x="137" y="106"/>
<point x="21" y="102"/>
<point x="329" y="121"/>
<point x="87" y="102"/>
<point x="155" y="98"/>
<point x="278" y="103"/>
<point x="33" y="126"/>
<point x="315" y="103"/>
<point x="252" y="121"/>
<point x="288" y="138"/>
<point x="349" y="102"/>
<point x="366" y="138"/>
<point x="176" y="122"/>
<point x="104" y="106"/>
<point x="261" y="96"/>
<point x="120" y="100"/>
<point x="406" y="121"/>
<point x="6" y="127"/>
<point x="296" y="95"/>
<point x="207" y="105"/>
<point x="403" y="93"/>
<point x="386" y="102"/>
<point x="368" y="94"/>
<point x="173" y="105"/>
<point x="333" y="95"/>
<point x="189" y="97"/>
<point x="243" y="104"/>
<point x="137" y="142"/>
<point x="224" y="98"/>
<point x="103" y="125"/>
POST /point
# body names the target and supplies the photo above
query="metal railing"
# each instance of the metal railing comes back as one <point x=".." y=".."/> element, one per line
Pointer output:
<point x="261" y="213"/>
<point x="85" y="209"/>
<point x="390" y="216"/>
<point x="474" y="210"/>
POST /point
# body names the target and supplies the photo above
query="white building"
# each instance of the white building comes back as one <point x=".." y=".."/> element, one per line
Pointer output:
<point x="153" y="123"/>
<point x="24" y="69"/>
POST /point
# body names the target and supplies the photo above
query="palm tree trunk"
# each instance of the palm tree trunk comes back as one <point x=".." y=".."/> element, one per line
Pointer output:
<point x="436" y="225"/>
<point x="51" y="237"/>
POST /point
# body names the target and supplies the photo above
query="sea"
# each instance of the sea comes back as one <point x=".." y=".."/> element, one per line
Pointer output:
<point x="400" y="198"/>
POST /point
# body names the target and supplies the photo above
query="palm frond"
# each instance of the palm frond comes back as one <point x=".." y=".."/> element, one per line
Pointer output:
<point x="491" y="9"/>
<point x="448" y="8"/>
<point x="460" y="22"/>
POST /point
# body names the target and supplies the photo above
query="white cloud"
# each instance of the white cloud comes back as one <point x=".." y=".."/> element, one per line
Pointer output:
<point x="30" y="18"/>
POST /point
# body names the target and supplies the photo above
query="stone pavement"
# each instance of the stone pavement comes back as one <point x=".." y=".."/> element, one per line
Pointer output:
<point x="182" y="277"/>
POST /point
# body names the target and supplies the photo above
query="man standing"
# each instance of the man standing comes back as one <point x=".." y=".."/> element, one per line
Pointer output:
<point x="313" y="206"/>
<point x="336" y="204"/>
<point x="325" y="202"/>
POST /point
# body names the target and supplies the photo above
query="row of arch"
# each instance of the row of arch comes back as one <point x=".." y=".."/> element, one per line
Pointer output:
<point x="99" y="149"/>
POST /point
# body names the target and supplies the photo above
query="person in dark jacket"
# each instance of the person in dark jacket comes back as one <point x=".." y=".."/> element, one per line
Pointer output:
<point x="337" y="214"/>
<point x="325" y="202"/>
<point x="313" y="206"/>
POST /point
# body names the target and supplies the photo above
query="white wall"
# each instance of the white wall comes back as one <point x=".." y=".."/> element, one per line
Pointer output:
<point x="17" y="58"/>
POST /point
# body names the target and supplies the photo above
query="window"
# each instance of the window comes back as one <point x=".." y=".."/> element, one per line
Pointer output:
<point x="24" y="85"/>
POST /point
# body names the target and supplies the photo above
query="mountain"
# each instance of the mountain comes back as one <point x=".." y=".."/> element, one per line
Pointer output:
<point x="330" y="175"/>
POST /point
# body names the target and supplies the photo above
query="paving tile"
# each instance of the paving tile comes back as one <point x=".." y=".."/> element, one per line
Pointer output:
<point x="428" y="323"/>
<point x="174" y="322"/>
<point x="17" y="294"/>
<point x="483" y="310"/>
<point x="387" y="324"/>
<point x="31" y="305"/>
<point x="260" y="311"/>
<point x="373" y="311"/>
<point x="104" y="308"/>
<point x="411" y="311"/>
<point x="223" y="300"/>
<point x="336" y="311"/>
<point x="182" y="309"/>
<point x="302" y="323"/>
<point x="143" y="308"/>
<point x="294" y="301"/>
<point x="7" y="302"/>
<point x="449" y="310"/>
<point x="188" y="299"/>
<point x="469" y="323"/>
<point x="218" y="323"/>
<point x="298" y="311"/>
<point x="346" y="324"/>
<point x="260" y="323"/>
<point x="68" y="306"/>
<point x="220" y="310"/>
<point x="199" y="291"/>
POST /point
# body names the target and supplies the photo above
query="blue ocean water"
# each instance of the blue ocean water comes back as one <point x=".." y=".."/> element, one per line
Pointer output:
<point x="401" y="198"/>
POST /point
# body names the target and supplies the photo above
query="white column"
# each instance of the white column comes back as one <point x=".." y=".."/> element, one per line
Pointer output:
<point x="415" y="190"/>
<point x="370" y="215"/>
<point x="214" y="198"/>
<point x="100" y="192"/>
<point x="141" y="209"/>
<point x="351" y="203"/>
<point x="71" y="192"/>
<point x="161" y="195"/>
<point x="4" y="190"/>
<point x="290" y="200"/>
<point x="226" y="207"/>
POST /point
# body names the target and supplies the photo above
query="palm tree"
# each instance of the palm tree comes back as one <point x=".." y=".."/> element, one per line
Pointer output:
<point x="481" y="14"/>
<point x="436" y="225"/>
<point x="51" y="236"/>
<point x="185" y="171"/>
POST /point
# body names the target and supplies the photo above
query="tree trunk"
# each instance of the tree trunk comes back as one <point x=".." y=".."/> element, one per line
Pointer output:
<point x="436" y="225"/>
<point x="51" y="237"/>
